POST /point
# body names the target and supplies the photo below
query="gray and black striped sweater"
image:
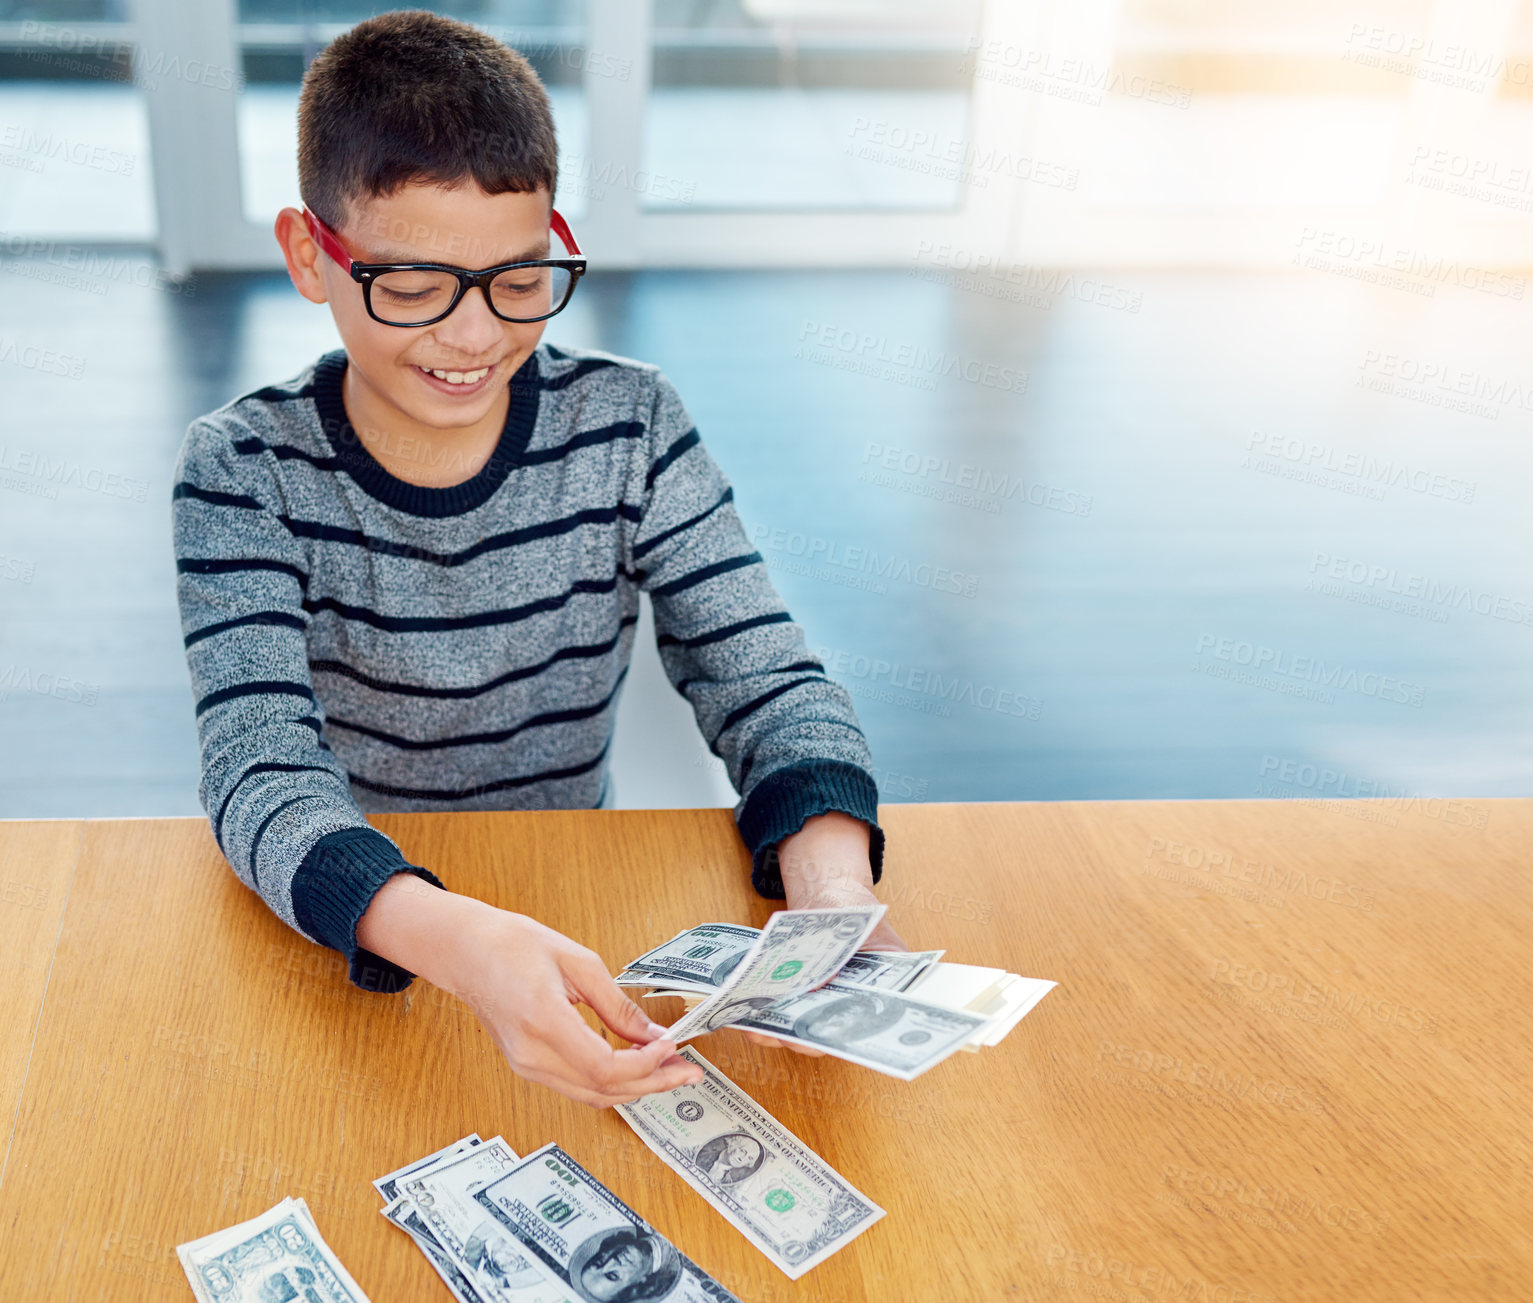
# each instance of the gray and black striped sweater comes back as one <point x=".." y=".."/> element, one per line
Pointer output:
<point x="360" y="643"/>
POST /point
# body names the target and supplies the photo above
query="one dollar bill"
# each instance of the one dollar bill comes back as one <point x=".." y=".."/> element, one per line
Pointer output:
<point x="774" y="1189"/>
<point x="796" y="951"/>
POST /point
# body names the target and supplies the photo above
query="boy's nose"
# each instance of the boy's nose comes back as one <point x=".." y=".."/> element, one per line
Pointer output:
<point x="472" y="329"/>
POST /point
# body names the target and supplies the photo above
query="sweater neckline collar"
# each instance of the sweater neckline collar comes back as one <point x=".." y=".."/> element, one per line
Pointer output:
<point x="419" y="499"/>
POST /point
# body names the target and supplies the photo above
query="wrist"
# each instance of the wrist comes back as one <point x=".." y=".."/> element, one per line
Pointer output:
<point x="827" y="856"/>
<point x="420" y="927"/>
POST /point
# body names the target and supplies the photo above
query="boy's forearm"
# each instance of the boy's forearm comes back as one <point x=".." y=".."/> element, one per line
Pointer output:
<point x="421" y="928"/>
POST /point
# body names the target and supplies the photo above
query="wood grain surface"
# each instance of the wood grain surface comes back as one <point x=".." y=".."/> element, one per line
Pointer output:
<point x="36" y="861"/>
<point x="1283" y="1063"/>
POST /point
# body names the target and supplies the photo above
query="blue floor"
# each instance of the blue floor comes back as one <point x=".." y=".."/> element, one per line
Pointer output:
<point x="1221" y="545"/>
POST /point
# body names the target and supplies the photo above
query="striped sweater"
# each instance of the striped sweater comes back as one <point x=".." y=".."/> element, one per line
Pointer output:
<point x="358" y="643"/>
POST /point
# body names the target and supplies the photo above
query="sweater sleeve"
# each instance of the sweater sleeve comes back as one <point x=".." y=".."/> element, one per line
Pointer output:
<point x="787" y="734"/>
<point x="278" y="800"/>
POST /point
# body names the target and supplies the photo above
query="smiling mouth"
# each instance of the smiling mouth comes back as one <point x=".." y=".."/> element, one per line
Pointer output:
<point x="457" y="377"/>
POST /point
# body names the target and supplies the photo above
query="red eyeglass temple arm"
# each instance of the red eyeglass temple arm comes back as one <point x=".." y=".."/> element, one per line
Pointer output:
<point x="326" y="239"/>
<point x="562" y="230"/>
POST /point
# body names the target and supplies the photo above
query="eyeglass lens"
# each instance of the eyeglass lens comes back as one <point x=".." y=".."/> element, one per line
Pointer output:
<point x="404" y="298"/>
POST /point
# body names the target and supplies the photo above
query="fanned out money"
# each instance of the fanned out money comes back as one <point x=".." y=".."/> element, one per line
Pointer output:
<point x="798" y="950"/>
<point x="503" y="1229"/>
<point x="776" y="1191"/>
<point x="278" y="1255"/>
<point x="896" y="1012"/>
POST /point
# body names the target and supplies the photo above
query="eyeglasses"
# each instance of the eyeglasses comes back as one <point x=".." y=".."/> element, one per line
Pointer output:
<point x="423" y="293"/>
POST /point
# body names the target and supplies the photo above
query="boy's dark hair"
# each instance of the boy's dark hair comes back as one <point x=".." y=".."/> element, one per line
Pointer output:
<point x="413" y="96"/>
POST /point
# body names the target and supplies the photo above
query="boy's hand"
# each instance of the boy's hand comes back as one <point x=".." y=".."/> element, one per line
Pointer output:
<point x="524" y="987"/>
<point x="523" y="981"/>
<point x="825" y="865"/>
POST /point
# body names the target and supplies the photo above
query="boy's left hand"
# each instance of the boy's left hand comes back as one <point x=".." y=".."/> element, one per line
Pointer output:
<point x="824" y="866"/>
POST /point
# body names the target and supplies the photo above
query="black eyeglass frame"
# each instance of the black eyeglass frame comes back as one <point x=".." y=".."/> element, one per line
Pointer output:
<point x="365" y="273"/>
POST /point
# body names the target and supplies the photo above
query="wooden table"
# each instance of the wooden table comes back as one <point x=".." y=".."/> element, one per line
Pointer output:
<point x="1286" y="1059"/>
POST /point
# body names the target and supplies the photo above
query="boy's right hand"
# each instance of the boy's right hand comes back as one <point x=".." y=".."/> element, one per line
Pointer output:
<point x="523" y="984"/>
<point x="523" y="981"/>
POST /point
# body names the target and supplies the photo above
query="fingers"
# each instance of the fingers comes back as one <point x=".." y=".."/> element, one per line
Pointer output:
<point x="630" y="1074"/>
<point x="593" y="985"/>
<point x="584" y="1057"/>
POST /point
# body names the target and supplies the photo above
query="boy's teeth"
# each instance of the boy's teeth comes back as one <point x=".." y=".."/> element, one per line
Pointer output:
<point x="460" y="377"/>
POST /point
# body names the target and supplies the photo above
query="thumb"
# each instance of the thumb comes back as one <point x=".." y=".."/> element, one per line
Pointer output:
<point x="615" y="1009"/>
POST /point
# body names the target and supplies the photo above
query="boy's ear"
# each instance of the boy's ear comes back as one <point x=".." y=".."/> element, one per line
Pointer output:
<point x="301" y="254"/>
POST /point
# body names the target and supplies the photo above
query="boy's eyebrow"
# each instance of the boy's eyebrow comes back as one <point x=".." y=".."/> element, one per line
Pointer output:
<point x="409" y="255"/>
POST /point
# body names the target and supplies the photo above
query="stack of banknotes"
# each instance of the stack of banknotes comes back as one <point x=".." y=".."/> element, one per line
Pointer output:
<point x="499" y="1228"/>
<point x="272" y="1258"/>
<point x="490" y="1222"/>
<point x="804" y="978"/>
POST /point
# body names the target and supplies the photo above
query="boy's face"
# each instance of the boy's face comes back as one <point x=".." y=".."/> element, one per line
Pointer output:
<point x="461" y="227"/>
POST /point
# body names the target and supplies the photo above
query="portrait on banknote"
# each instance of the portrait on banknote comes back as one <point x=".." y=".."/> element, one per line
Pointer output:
<point x="624" y="1266"/>
<point x="490" y="1250"/>
<point x="850" y="1018"/>
<point x="735" y="1010"/>
<point x="730" y="1158"/>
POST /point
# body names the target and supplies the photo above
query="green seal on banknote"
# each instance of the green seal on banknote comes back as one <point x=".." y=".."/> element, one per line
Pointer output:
<point x="555" y="1210"/>
<point x="786" y="970"/>
<point x="779" y="1201"/>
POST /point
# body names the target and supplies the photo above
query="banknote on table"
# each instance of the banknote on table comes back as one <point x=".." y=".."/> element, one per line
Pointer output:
<point x="588" y="1239"/>
<point x="403" y="1213"/>
<point x="774" y="1189"/>
<point x="888" y="1031"/>
<point x="492" y="1262"/>
<point x="388" y="1186"/>
<point x="796" y="951"/>
<point x="278" y="1255"/>
<point x="700" y="959"/>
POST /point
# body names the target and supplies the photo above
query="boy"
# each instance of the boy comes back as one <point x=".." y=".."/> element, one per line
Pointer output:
<point x="409" y="576"/>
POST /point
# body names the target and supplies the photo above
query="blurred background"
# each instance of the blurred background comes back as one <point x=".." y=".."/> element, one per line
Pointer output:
<point x="1131" y="397"/>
